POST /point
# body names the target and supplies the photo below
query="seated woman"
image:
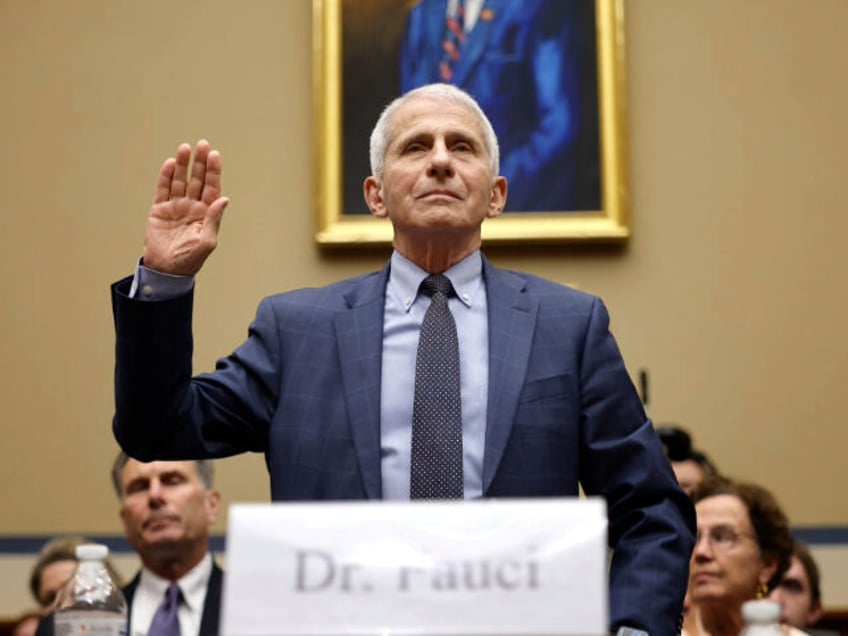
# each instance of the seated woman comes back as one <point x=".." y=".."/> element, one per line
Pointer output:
<point x="742" y="550"/>
<point x="56" y="563"/>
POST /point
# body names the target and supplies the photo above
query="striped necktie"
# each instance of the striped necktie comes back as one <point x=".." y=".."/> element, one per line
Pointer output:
<point x="166" y="620"/>
<point x="452" y="42"/>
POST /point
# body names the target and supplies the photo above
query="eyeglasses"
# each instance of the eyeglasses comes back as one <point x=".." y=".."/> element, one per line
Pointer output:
<point x="793" y="586"/>
<point x="722" y="537"/>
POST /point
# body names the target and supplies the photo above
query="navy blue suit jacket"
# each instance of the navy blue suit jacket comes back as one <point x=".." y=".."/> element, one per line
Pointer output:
<point x="304" y="388"/>
<point x="521" y="62"/>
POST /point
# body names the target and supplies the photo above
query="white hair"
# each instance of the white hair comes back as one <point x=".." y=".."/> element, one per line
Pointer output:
<point x="441" y="92"/>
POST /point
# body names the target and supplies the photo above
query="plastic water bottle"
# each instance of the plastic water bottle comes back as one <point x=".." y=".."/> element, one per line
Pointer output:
<point x="91" y="602"/>
<point x="762" y="618"/>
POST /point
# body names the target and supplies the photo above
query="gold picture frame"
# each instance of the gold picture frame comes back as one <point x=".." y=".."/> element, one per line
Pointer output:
<point x="340" y="37"/>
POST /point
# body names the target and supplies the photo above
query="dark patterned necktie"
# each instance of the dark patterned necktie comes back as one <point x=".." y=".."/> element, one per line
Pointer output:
<point x="453" y="40"/>
<point x="436" y="471"/>
<point x="166" y="621"/>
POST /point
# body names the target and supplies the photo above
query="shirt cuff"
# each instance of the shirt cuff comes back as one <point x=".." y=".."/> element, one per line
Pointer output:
<point x="148" y="284"/>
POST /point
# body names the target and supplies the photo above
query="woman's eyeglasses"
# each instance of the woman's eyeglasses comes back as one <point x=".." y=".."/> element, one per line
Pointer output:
<point x="722" y="537"/>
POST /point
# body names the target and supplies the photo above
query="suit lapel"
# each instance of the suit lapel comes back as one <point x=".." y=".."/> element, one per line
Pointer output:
<point x="512" y="321"/>
<point x="359" y="333"/>
<point x="130" y="588"/>
<point x="477" y="41"/>
<point x="212" y="604"/>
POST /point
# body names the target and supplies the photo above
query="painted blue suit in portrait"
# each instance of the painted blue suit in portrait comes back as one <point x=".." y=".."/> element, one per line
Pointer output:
<point x="521" y="62"/>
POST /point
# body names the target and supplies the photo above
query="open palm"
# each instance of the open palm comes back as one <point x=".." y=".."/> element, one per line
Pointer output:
<point x="183" y="222"/>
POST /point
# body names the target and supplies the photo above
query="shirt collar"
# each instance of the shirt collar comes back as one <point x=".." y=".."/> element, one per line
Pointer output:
<point x="405" y="278"/>
<point x="192" y="585"/>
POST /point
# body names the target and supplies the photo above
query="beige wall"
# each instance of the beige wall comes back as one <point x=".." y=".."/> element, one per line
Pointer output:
<point x="729" y="292"/>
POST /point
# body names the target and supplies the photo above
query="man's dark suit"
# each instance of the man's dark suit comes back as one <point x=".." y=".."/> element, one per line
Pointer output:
<point x="305" y="390"/>
<point x="211" y="605"/>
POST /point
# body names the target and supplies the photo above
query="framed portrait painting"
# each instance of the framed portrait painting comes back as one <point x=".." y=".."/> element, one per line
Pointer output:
<point x="549" y="74"/>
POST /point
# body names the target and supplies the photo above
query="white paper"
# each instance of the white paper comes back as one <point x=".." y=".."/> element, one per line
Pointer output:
<point x="494" y="567"/>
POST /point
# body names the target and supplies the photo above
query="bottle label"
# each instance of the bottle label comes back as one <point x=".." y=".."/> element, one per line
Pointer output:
<point x="90" y="623"/>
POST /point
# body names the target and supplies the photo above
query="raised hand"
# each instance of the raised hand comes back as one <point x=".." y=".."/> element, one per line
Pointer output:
<point x="183" y="222"/>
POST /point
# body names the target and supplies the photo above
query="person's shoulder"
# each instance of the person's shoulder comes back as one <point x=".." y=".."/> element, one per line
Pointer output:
<point x="334" y="294"/>
<point x="544" y="287"/>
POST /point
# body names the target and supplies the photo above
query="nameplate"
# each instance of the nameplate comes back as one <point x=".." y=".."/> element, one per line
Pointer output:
<point x="493" y="567"/>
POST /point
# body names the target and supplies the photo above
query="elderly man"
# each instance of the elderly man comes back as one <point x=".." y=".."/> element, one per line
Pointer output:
<point x="515" y="387"/>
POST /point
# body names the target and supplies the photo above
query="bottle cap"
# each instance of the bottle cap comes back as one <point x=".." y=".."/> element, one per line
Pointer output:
<point x="92" y="552"/>
<point x="763" y="611"/>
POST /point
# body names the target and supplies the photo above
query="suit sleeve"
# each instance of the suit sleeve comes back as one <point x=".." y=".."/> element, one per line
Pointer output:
<point x="552" y="78"/>
<point x="45" y="626"/>
<point x="651" y="521"/>
<point x="161" y="411"/>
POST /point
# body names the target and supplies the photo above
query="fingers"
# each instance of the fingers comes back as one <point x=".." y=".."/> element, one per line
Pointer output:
<point x="205" y="182"/>
<point x="212" y="183"/>
<point x="216" y="212"/>
<point x="178" y="181"/>
<point x="198" y="170"/>
<point x="163" y="184"/>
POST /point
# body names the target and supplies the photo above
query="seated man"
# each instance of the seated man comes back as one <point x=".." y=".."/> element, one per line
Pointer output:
<point x="168" y="508"/>
<point x="799" y="591"/>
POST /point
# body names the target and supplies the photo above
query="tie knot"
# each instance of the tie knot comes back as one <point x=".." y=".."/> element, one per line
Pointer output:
<point x="437" y="283"/>
<point x="173" y="595"/>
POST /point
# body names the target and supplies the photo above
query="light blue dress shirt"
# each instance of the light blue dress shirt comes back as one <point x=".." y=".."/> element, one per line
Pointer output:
<point x="404" y="313"/>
